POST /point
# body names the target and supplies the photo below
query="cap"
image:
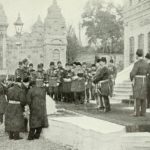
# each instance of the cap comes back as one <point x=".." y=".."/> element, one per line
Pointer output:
<point x="31" y="64"/>
<point x="103" y="59"/>
<point x="18" y="79"/>
<point x="59" y="62"/>
<point x="147" y="56"/>
<point x="52" y="63"/>
<point x="139" y="52"/>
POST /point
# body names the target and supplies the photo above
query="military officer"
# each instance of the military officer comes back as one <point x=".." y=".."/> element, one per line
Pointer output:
<point x="138" y="76"/>
<point x="25" y="69"/>
<point x="52" y="78"/>
<point x="148" y="79"/>
<point x="14" y="118"/>
<point x="19" y="70"/>
<point x="102" y="79"/>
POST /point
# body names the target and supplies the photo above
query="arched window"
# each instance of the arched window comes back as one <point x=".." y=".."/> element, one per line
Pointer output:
<point x="56" y="55"/>
<point x="132" y="44"/>
<point x="141" y="41"/>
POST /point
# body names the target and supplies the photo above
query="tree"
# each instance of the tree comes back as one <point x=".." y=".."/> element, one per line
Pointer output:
<point x="104" y="25"/>
<point x="73" y="46"/>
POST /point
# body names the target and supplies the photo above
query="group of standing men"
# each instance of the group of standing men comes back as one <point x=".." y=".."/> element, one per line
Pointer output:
<point x="25" y="99"/>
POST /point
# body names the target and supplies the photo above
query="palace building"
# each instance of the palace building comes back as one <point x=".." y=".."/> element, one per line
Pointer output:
<point x="46" y="42"/>
<point x="136" y="28"/>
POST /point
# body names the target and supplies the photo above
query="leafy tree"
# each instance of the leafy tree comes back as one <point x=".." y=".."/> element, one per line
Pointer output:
<point x="73" y="46"/>
<point x="104" y="25"/>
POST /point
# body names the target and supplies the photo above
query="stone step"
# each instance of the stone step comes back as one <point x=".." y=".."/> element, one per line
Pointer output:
<point x="123" y="86"/>
<point x="123" y="93"/>
<point x="118" y="89"/>
<point x="127" y="101"/>
<point x="121" y="97"/>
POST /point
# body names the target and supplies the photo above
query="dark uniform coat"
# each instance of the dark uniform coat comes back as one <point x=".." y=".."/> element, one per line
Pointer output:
<point x="3" y="102"/>
<point x="14" y="119"/>
<point x="36" y="99"/>
<point x="103" y="75"/>
<point x="139" y="84"/>
<point x="66" y="86"/>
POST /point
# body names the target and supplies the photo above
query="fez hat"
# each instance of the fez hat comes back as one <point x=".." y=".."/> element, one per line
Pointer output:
<point x="59" y="62"/>
<point x="147" y="56"/>
<point x="31" y="64"/>
<point x="139" y="52"/>
<point x="24" y="61"/>
<point x="25" y="80"/>
<point x="20" y="63"/>
<point x="52" y="63"/>
<point x="18" y="79"/>
<point x="103" y="59"/>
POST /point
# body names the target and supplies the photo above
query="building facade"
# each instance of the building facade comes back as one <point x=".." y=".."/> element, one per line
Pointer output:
<point x="46" y="42"/>
<point x="136" y="28"/>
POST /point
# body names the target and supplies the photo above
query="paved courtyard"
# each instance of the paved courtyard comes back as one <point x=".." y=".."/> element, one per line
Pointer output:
<point x="41" y="144"/>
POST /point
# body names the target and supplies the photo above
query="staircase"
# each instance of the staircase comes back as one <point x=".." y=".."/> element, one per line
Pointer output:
<point x="135" y="141"/>
<point x="123" y="87"/>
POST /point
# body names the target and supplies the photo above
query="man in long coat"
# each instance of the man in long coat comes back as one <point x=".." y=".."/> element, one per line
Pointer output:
<point x="148" y="80"/>
<point x="14" y="118"/>
<point x="102" y="81"/>
<point x="138" y="76"/>
<point x="36" y="100"/>
<point x="3" y="101"/>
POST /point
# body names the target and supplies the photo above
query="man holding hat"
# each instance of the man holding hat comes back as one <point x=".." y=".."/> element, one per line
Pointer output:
<point x="147" y="57"/>
<point x="14" y="118"/>
<point x="138" y="76"/>
<point x="102" y="81"/>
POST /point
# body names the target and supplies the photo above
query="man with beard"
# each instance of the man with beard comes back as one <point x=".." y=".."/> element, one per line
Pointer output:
<point x="14" y="119"/>
<point x="102" y="81"/>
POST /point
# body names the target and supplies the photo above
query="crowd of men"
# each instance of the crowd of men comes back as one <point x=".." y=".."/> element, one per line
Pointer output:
<point x="75" y="83"/>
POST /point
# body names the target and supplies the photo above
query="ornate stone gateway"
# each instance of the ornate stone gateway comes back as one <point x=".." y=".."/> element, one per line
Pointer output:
<point x="46" y="42"/>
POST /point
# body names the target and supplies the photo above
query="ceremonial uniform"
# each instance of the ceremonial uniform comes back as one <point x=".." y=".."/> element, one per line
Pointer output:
<point x="66" y="85"/>
<point x="36" y="100"/>
<point x="138" y="76"/>
<point x="78" y="85"/>
<point x="52" y="78"/>
<point x="102" y="81"/>
<point x="14" y="119"/>
<point x="113" y="73"/>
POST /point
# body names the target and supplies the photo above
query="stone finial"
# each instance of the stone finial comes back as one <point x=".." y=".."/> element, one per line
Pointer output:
<point x="18" y="21"/>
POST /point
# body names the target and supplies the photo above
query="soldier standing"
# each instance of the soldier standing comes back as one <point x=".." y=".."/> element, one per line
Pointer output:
<point x="67" y="77"/>
<point x="102" y="79"/>
<point x="148" y="79"/>
<point x="25" y="69"/>
<point x="36" y="100"/>
<point x="138" y="76"/>
<point x="52" y="79"/>
<point x="60" y="71"/>
<point x="14" y="118"/>
<point x="113" y="74"/>
<point x="19" y="70"/>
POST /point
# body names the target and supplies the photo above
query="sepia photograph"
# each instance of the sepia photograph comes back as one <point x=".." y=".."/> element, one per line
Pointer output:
<point x="74" y="74"/>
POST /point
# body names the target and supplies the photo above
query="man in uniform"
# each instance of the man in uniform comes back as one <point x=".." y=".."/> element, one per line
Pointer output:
<point x="138" y="76"/>
<point x="52" y="79"/>
<point x="113" y="74"/>
<point x="148" y="80"/>
<point x="102" y="81"/>
<point x="19" y="70"/>
<point x="60" y="71"/>
<point x="25" y="69"/>
<point x="14" y="118"/>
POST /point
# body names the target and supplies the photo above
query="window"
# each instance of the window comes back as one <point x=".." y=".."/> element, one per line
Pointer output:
<point x="132" y="42"/>
<point x="149" y="41"/>
<point x="56" y="55"/>
<point x="141" y="41"/>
